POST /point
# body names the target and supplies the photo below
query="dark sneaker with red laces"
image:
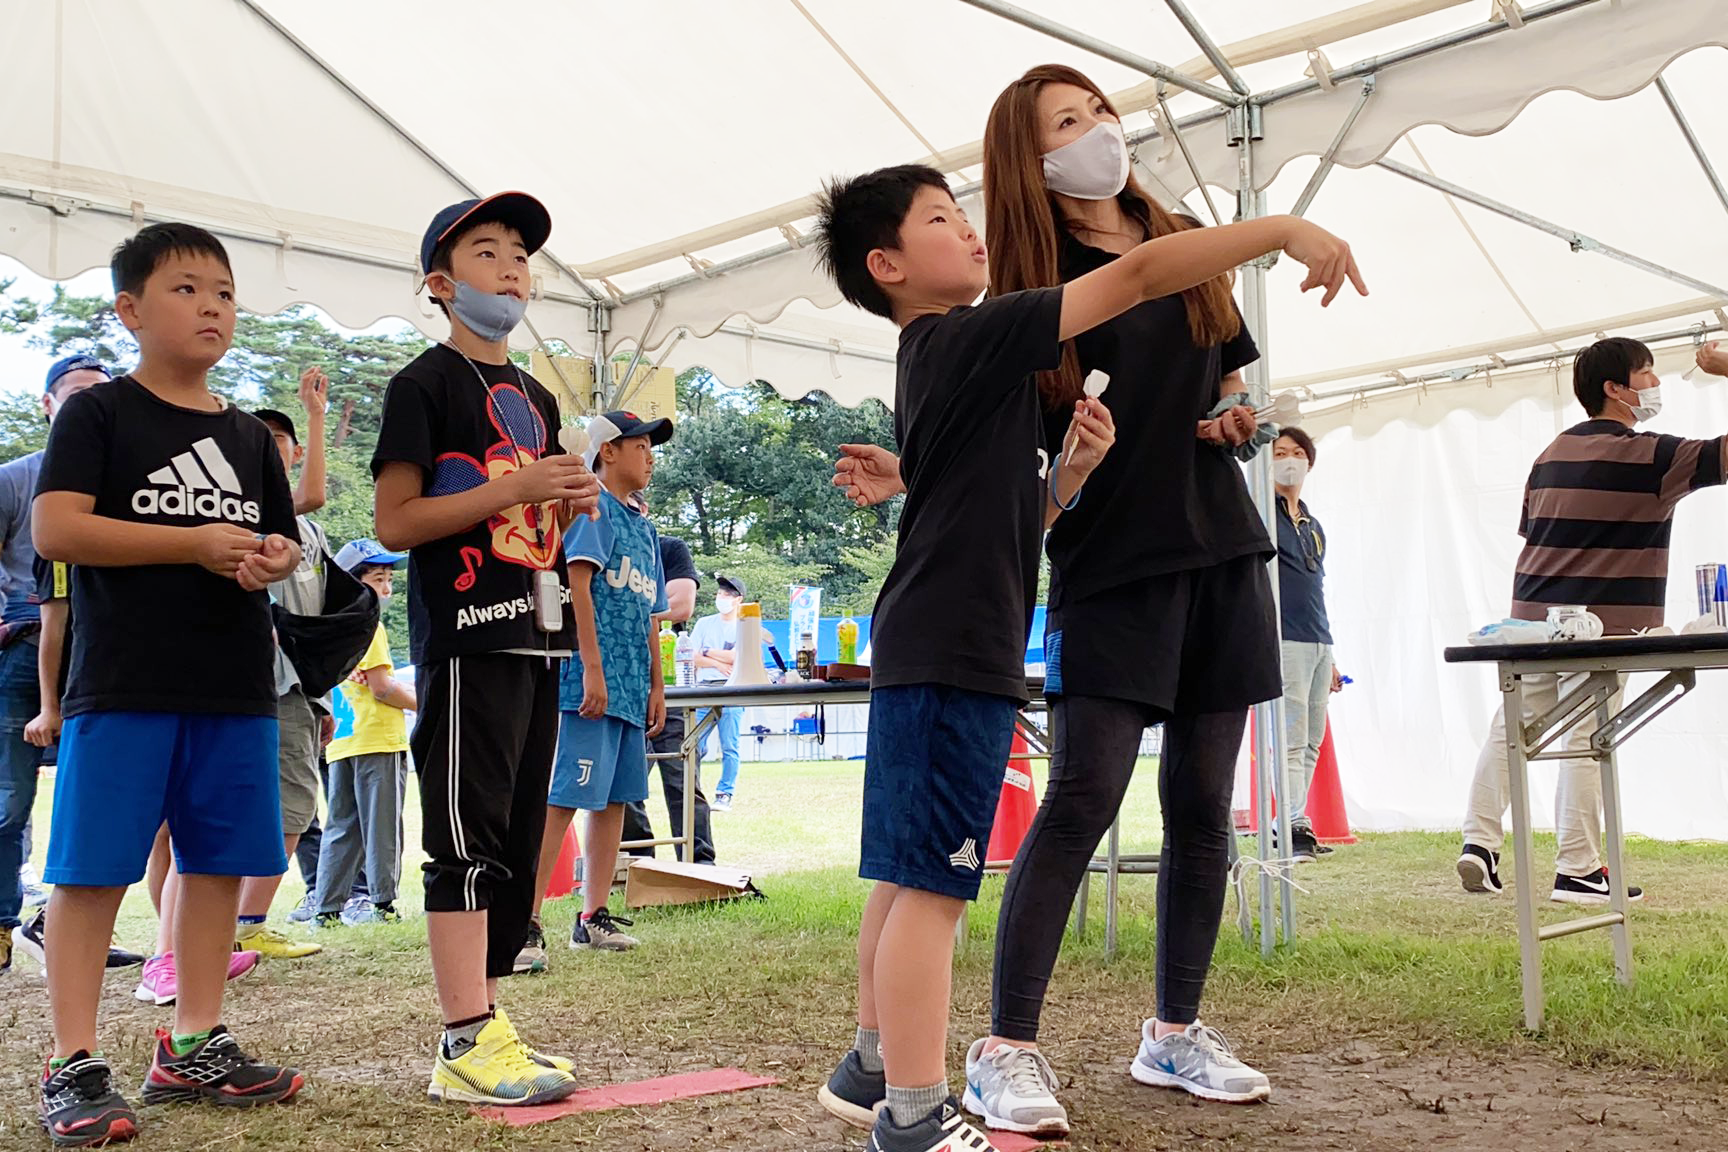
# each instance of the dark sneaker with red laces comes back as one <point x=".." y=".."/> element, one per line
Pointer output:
<point x="218" y="1071"/>
<point x="80" y="1108"/>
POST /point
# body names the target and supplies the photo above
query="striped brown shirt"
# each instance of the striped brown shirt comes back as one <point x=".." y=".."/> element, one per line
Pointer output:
<point x="1598" y="511"/>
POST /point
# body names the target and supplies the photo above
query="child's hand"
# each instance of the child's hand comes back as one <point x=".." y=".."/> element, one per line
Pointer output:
<point x="222" y="547"/>
<point x="559" y="477"/>
<point x="1328" y="259"/>
<point x="314" y="391"/>
<point x="274" y="559"/>
<point x="593" y="692"/>
<point x="656" y="709"/>
<point x="44" y="730"/>
<point x="1090" y="435"/>
<point x="869" y="473"/>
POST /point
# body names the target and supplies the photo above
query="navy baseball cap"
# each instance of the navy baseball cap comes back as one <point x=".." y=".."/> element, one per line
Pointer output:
<point x="621" y="426"/>
<point x="277" y="419"/>
<point x="517" y="209"/>
<point x="359" y="552"/>
<point x="69" y="364"/>
<point x="734" y="585"/>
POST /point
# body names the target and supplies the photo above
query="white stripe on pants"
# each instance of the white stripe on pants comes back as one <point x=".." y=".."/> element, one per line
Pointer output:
<point x="1577" y="800"/>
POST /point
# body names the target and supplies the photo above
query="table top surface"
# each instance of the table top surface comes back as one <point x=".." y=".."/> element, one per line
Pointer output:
<point x="1607" y="649"/>
<point x="795" y="690"/>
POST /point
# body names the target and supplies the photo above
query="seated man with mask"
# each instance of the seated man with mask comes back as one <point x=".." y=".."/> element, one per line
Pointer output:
<point x="1598" y="511"/>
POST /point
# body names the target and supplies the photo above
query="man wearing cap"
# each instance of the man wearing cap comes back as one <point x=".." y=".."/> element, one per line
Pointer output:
<point x="368" y="766"/>
<point x="473" y="484"/>
<point x="20" y="624"/>
<point x="716" y="639"/>
<point x="304" y="725"/>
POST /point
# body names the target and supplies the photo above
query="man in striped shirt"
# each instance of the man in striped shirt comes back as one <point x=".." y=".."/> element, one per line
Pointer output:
<point x="1598" y="513"/>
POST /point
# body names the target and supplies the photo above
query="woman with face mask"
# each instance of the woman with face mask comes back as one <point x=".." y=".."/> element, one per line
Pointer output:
<point x="1310" y="676"/>
<point x="1161" y="611"/>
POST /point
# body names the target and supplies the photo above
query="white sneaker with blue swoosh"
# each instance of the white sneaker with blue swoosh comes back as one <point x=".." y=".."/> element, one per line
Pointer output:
<point x="1197" y="1060"/>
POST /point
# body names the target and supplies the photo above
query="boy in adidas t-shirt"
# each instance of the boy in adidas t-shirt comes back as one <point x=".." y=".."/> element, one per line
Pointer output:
<point x="613" y="698"/>
<point x="470" y="483"/>
<point x="173" y="508"/>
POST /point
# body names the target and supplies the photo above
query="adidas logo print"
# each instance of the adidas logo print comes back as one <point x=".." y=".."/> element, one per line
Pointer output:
<point x="967" y="857"/>
<point x="197" y="483"/>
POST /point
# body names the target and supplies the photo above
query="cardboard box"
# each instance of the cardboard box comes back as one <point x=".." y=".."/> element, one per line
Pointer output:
<point x="656" y="882"/>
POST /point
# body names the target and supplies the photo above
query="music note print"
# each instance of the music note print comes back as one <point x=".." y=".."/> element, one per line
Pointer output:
<point x="472" y="558"/>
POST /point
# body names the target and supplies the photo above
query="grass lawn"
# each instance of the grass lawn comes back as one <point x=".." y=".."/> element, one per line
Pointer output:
<point x="1392" y="1023"/>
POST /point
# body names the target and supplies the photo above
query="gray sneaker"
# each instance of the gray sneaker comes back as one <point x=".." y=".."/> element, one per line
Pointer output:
<point x="1014" y="1090"/>
<point x="532" y="957"/>
<point x="601" y="932"/>
<point x="1197" y="1060"/>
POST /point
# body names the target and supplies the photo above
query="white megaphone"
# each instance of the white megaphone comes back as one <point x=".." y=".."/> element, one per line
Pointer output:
<point x="747" y="669"/>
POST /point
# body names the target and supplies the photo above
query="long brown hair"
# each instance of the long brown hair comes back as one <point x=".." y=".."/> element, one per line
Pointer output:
<point x="1021" y="220"/>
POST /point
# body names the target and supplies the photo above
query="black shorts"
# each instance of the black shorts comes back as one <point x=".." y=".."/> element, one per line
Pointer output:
<point x="483" y="744"/>
<point x="1192" y="642"/>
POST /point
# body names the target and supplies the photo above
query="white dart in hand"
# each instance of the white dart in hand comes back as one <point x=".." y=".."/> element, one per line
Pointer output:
<point x="573" y="440"/>
<point x="1285" y="408"/>
<point x="1096" y="382"/>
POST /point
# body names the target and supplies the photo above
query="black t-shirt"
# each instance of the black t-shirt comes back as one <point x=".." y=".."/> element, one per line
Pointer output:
<point x="1162" y="500"/>
<point x="168" y="637"/>
<point x="54" y="583"/>
<point x="676" y="564"/>
<point x="958" y="601"/>
<point x="464" y="423"/>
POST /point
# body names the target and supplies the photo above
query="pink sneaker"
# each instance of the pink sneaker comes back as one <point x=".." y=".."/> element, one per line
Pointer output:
<point x="160" y="985"/>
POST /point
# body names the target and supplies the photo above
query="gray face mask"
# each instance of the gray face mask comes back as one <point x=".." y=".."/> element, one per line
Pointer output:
<point x="487" y="316"/>
<point x="383" y="604"/>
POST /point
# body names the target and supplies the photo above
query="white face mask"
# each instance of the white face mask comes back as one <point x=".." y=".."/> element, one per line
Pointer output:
<point x="1094" y="167"/>
<point x="1649" y="405"/>
<point x="1289" y="471"/>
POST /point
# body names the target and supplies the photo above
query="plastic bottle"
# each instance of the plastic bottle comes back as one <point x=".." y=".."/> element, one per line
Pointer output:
<point x="668" y="654"/>
<point x="684" y="656"/>
<point x="847" y="631"/>
<point x="806" y="655"/>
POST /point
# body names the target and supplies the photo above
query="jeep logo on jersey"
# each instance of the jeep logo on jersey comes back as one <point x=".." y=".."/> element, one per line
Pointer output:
<point x="627" y="575"/>
<point x="197" y="483"/>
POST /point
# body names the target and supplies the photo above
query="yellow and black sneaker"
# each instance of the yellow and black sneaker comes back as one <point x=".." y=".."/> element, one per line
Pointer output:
<point x="497" y="1070"/>
<point x="561" y="1063"/>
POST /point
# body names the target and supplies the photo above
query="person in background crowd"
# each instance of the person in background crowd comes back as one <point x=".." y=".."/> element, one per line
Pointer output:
<point x="716" y="639"/>
<point x="678" y="572"/>
<point x="1598" y="511"/>
<point x="368" y="767"/>
<point x="304" y="725"/>
<point x="20" y="637"/>
<point x="1310" y="676"/>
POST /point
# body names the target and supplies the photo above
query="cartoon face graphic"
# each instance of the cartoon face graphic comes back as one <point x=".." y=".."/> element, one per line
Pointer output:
<point x="523" y="534"/>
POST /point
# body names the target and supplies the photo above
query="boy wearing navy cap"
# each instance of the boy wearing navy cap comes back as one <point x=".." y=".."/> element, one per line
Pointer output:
<point x="20" y="627"/>
<point x="472" y="484"/>
<point x="368" y="766"/>
<point x="612" y="698"/>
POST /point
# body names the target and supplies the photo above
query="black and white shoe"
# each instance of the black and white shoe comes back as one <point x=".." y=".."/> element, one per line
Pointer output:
<point x="1591" y="889"/>
<point x="1479" y="869"/>
<point x="32" y="941"/>
<point x="1304" y="849"/>
<point x="80" y="1108"/>
<point x="853" y="1094"/>
<point x="944" y="1130"/>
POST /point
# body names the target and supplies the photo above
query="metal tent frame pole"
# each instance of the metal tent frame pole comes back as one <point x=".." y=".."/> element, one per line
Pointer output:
<point x="1692" y="141"/>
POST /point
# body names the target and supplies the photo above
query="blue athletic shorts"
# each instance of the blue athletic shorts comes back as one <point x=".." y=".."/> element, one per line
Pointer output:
<point x="211" y="777"/>
<point x="600" y="763"/>
<point x="933" y="769"/>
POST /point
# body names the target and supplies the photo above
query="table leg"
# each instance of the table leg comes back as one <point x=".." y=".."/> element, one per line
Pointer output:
<point x="1617" y="901"/>
<point x="1529" y="946"/>
<point x="1114" y="864"/>
<point x="1080" y="902"/>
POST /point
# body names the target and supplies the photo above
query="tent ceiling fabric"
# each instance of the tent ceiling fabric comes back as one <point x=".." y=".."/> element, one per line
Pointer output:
<point x="637" y="124"/>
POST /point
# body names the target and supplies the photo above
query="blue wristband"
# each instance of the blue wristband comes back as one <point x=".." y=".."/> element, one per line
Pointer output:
<point x="1055" y="474"/>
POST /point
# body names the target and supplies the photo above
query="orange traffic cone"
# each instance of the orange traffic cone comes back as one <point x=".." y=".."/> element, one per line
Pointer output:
<point x="1325" y="794"/>
<point x="1014" y="811"/>
<point x="562" y="881"/>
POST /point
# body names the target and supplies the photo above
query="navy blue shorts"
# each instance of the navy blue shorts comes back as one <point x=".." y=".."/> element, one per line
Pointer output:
<point x="600" y="762"/>
<point x="212" y="777"/>
<point x="933" y="772"/>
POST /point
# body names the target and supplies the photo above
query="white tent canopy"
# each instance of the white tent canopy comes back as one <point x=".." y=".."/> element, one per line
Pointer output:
<point x="676" y="143"/>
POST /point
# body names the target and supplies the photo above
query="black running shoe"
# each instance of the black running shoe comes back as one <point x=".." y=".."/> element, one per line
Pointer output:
<point x="601" y="932"/>
<point x="80" y="1108"/>
<point x="218" y="1071"/>
<point x="32" y="941"/>
<point x="1591" y="889"/>
<point x="944" y="1130"/>
<point x="853" y="1094"/>
<point x="1303" y="847"/>
<point x="1479" y="869"/>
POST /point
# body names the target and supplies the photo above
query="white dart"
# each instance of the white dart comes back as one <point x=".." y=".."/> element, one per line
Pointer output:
<point x="573" y="440"/>
<point x="1284" y="409"/>
<point x="1096" y="382"/>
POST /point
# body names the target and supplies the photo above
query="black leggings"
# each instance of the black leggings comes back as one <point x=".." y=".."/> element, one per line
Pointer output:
<point x="1095" y="741"/>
